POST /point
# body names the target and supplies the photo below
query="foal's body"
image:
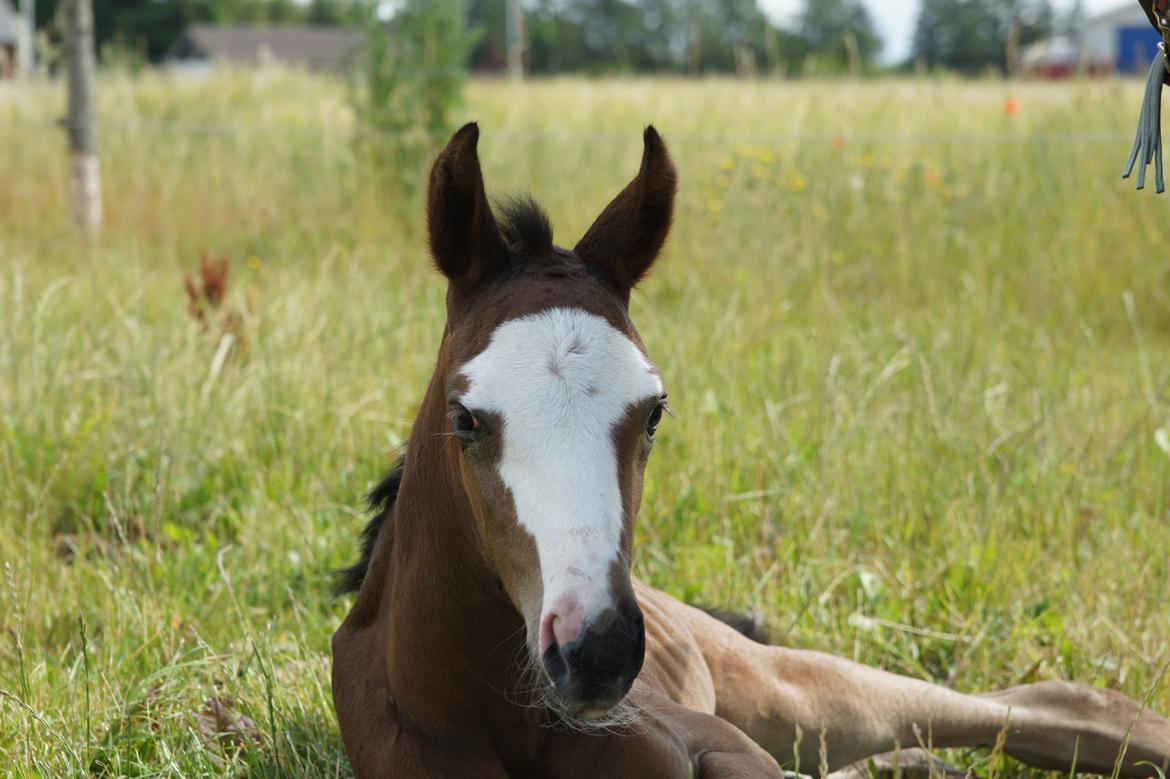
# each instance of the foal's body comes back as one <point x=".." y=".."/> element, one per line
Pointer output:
<point x="489" y="640"/>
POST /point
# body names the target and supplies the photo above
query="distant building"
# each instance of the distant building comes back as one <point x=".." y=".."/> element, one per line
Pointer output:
<point x="1122" y="39"/>
<point x="315" y="48"/>
<point x="10" y="24"/>
<point x="1057" y="57"/>
<point x="1117" y="41"/>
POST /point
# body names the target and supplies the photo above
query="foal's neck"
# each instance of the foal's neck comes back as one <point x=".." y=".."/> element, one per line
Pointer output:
<point x="455" y="643"/>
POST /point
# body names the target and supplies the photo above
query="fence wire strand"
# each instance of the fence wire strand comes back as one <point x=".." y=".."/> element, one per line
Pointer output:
<point x="1013" y="138"/>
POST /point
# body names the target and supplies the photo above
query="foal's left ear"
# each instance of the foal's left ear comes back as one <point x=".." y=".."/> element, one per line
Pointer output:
<point x="465" y="240"/>
<point x="628" y="235"/>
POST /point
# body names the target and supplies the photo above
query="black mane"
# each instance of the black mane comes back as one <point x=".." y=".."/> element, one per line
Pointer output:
<point x="381" y="501"/>
<point x="524" y="226"/>
<point x="528" y="235"/>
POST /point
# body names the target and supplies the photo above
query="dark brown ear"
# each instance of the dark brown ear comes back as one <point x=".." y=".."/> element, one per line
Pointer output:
<point x="628" y="235"/>
<point x="465" y="241"/>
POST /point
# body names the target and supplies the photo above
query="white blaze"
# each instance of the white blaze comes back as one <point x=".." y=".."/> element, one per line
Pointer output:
<point x="561" y="380"/>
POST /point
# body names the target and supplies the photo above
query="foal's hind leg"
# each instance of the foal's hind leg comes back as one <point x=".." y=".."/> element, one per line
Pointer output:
<point x="845" y="712"/>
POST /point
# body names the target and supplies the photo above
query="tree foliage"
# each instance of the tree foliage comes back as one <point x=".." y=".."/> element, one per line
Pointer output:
<point x="685" y="36"/>
<point x="409" y="81"/>
<point x="149" y="27"/>
<point x="560" y="36"/>
<point x="972" y="36"/>
<point x="831" y="27"/>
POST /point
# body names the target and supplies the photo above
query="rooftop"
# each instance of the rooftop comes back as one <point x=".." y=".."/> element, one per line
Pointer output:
<point x="318" y="48"/>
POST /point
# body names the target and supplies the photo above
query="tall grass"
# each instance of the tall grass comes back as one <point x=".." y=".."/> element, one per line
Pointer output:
<point x="919" y="348"/>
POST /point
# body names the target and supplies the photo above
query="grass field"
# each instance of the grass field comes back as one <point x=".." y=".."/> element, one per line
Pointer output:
<point x="918" y="345"/>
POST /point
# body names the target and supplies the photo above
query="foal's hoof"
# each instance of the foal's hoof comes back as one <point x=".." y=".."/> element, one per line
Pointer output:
<point x="1093" y="723"/>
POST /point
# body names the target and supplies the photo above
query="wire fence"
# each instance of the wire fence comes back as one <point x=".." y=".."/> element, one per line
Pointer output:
<point x="243" y="129"/>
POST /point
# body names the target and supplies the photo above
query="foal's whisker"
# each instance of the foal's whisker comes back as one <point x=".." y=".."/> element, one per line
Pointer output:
<point x="508" y="638"/>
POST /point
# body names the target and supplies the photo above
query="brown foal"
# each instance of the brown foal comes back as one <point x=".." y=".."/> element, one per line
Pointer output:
<point x="497" y="630"/>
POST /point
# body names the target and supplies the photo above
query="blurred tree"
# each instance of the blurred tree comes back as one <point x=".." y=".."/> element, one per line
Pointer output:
<point x="697" y="36"/>
<point x="1071" y="22"/>
<point x="490" y="17"/>
<point x="149" y="27"/>
<point x="346" y="13"/>
<point x="838" y="31"/>
<point x="596" y="36"/>
<point x="733" y="35"/>
<point x="971" y="36"/>
<point x="593" y="36"/>
<point x="408" y="84"/>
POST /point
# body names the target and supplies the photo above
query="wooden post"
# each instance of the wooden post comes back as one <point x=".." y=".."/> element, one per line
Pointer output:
<point x="514" y="30"/>
<point x="695" y="48"/>
<point x="27" y="38"/>
<point x="853" y="51"/>
<point x="80" y="123"/>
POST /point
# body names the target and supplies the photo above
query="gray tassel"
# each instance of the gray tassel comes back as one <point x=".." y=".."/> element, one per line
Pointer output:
<point x="1148" y="143"/>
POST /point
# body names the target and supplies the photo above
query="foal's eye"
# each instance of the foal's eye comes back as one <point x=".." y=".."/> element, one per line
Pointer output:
<point x="654" y="418"/>
<point x="463" y="422"/>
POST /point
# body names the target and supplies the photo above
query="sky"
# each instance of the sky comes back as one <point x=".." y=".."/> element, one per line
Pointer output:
<point x="895" y="19"/>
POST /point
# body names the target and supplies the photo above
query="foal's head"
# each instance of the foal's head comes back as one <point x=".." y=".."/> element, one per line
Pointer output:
<point x="552" y="405"/>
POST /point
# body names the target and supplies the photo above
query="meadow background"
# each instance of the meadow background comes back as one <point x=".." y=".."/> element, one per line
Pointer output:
<point x="916" y="334"/>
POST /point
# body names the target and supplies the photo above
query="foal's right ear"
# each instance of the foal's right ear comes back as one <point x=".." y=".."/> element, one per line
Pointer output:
<point x="465" y="241"/>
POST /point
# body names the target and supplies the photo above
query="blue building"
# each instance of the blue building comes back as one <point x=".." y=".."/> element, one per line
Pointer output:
<point x="1121" y="40"/>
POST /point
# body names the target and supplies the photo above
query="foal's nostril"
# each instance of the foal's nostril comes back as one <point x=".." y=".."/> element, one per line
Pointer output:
<point x="565" y="630"/>
<point x="562" y="624"/>
<point x="555" y="664"/>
